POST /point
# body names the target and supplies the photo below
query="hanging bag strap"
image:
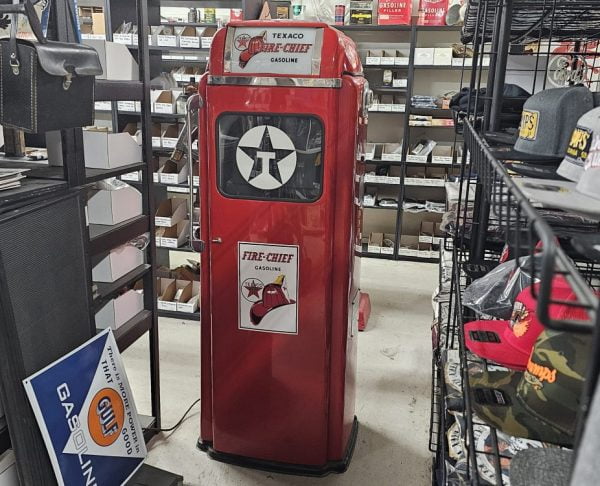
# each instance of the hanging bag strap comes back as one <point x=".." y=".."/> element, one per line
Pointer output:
<point x="26" y="9"/>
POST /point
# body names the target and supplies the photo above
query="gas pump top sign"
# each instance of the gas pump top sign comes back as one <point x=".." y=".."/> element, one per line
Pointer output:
<point x="276" y="50"/>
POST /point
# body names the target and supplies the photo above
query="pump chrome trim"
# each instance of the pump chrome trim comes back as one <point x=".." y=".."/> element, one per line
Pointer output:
<point x="273" y="81"/>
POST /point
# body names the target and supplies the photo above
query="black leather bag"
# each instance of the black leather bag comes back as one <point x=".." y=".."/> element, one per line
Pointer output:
<point x="45" y="85"/>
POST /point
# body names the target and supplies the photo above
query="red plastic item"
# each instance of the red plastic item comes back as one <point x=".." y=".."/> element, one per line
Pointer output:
<point x="364" y="311"/>
<point x="280" y="134"/>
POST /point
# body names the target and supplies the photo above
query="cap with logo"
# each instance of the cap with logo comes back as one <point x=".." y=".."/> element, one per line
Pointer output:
<point x="509" y="343"/>
<point x="542" y="402"/>
<point x="547" y="122"/>
<point x="582" y="197"/>
<point x="579" y="146"/>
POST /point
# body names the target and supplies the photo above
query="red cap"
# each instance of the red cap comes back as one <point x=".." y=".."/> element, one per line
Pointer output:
<point x="509" y="343"/>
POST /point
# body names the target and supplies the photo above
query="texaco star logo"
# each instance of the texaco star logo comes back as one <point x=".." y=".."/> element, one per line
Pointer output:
<point x="266" y="157"/>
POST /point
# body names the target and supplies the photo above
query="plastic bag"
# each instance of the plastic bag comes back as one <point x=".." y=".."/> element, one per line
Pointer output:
<point x="494" y="294"/>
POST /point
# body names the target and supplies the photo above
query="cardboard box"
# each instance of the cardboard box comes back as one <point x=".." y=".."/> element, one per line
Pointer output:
<point x="188" y="295"/>
<point x="207" y="37"/>
<point x="102" y="106"/>
<point x="114" y="202"/>
<point x="165" y="36"/>
<point x="426" y="232"/>
<point x="442" y="56"/>
<point x="388" y="250"/>
<point x="399" y="83"/>
<point x="186" y="74"/>
<point x="460" y="62"/>
<point x="424" y="56"/>
<point x="166" y="289"/>
<point x="373" y="57"/>
<point x="156" y="135"/>
<point x="443" y="153"/>
<point x="170" y="135"/>
<point x="91" y="21"/>
<point x="131" y="106"/>
<point x="132" y="176"/>
<point x="126" y="39"/>
<point x="370" y="151"/>
<point x="120" y="310"/>
<point x="117" y="62"/>
<point x="401" y="61"/>
<point x="157" y="164"/>
<point x="134" y="130"/>
<point x="104" y="150"/>
<point x="175" y="236"/>
<point x="389" y="57"/>
<point x="375" y="243"/>
<point x="164" y="102"/>
<point x="170" y="212"/>
<point x="174" y="172"/>
<point x="392" y="152"/>
<point x="119" y="262"/>
<point x="189" y="38"/>
<point x="409" y="246"/>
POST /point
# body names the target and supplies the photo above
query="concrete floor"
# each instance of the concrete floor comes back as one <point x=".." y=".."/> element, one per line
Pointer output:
<point x="394" y="380"/>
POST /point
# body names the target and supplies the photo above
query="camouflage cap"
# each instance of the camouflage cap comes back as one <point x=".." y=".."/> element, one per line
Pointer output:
<point x="542" y="402"/>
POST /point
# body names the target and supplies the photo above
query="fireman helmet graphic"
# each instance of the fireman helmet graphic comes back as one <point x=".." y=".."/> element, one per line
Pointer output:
<point x="274" y="295"/>
<point x="253" y="46"/>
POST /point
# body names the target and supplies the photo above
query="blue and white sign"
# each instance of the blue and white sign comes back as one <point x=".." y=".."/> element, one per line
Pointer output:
<point x="87" y="416"/>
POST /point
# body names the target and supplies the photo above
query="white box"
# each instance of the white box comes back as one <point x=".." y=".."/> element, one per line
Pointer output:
<point x="398" y="108"/>
<point x="166" y="294"/>
<point x="129" y="106"/>
<point x="385" y="107"/>
<point x="117" y="62"/>
<point x="102" y="106"/>
<point x="189" y="38"/>
<point x="126" y="39"/>
<point x="392" y="152"/>
<point x="169" y="136"/>
<point x="132" y="176"/>
<point x="164" y="102"/>
<point x="421" y="159"/>
<point x="442" y="56"/>
<point x="8" y="469"/>
<point x="119" y="262"/>
<point x="103" y="150"/>
<point x="401" y="61"/>
<point x="175" y="236"/>
<point x="114" y="203"/>
<point x="207" y="37"/>
<point x="485" y="62"/>
<point x="386" y="250"/>
<point x="373" y="57"/>
<point x="460" y="62"/>
<point x="170" y="212"/>
<point x="178" y="177"/>
<point x="188" y="299"/>
<point x="424" y="56"/>
<point x="165" y="39"/>
<point x="399" y="83"/>
<point x="120" y="310"/>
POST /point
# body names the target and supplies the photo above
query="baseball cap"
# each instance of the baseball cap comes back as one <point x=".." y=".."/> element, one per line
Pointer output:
<point x="572" y="166"/>
<point x="539" y="171"/>
<point x="547" y="122"/>
<point x="582" y="197"/>
<point x="509" y="343"/>
<point x="542" y="402"/>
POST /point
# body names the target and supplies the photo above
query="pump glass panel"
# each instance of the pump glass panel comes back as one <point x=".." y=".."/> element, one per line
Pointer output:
<point x="270" y="157"/>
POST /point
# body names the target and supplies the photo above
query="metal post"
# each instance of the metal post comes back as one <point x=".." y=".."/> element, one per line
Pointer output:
<point x="501" y="62"/>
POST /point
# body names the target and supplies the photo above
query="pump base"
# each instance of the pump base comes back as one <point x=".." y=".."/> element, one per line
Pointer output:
<point x="285" y="468"/>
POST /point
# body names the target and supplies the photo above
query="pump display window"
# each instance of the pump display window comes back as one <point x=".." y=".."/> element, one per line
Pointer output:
<point x="271" y="157"/>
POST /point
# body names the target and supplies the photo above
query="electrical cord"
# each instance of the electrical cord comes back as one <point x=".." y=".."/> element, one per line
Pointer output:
<point x="155" y="429"/>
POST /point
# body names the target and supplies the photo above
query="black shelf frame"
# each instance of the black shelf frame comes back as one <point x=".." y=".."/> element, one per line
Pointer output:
<point x="187" y="316"/>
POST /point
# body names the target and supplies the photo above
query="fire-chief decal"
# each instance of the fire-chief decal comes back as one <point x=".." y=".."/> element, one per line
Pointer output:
<point x="268" y="288"/>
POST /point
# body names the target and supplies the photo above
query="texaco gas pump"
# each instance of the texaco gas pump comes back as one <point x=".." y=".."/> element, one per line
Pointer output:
<point x="281" y="133"/>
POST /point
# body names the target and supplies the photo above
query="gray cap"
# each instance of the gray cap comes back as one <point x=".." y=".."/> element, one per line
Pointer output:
<point x="549" y="118"/>
<point x="589" y="183"/>
<point x="581" y="140"/>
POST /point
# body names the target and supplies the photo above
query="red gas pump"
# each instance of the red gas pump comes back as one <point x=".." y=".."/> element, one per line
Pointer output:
<point x="281" y="130"/>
